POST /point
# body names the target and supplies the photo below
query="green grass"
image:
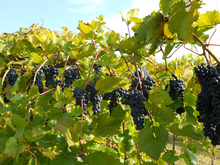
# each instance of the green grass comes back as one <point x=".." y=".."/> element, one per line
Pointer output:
<point x="203" y="159"/>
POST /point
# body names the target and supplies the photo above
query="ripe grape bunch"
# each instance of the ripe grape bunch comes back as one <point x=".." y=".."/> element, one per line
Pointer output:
<point x="94" y="97"/>
<point x="114" y="97"/>
<point x="70" y="75"/>
<point x="82" y="98"/>
<point x="12" y="76"/>
<point x="208" y="103"/>
<point x="38" y="80"/>
<point x="176" y="88"/>
<point x="138" y="93"/>
<point x="50" y="75"/>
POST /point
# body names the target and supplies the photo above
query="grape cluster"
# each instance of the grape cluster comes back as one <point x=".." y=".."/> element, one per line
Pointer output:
<point x="38" y="81"/>
<point x="208" y="101"/>
<point x="135" y="99"/>
<point x="70" y="75"/>
<point x="176" y="88"/>
<point x="97" y="68"/>
<point x="82" y="98"/>
<point x="12" y="76"/>
<point x="146" y="84"/>
<point x="50" y="75"/>
<point x="95" y="98"/>
<point x="114" y="97"/>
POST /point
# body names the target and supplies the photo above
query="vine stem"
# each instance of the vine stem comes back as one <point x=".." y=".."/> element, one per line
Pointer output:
<point x="212" y="44"/>
<point x="64" y="68"/>
<point x="139" y="156"/>
<point x="82" y="108"/>
<point x="213" y="156"/>
<point x="128" y="31"/>
<point x="139" y="79"/>
<point x="152" y="62"/>
<point x="157" y="63"/>
<point x="166" y="65"/>
<point x="32" y="155"/>
<point x="212" y="35"/>
<point x="203" y="45"/>
<point x="3" y="79"/>
<point x="174" y="51"/>
<point x="127" y="64"/>
<point x="35" y="76"/>
<point x="90" y="69"/>
<point x="155" y="132"/>
<point x="82" y="149"/>
<point x="111" y="30"/>
<point x="123" y="127"/>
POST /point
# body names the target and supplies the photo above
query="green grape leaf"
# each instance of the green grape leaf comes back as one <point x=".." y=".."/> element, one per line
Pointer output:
<point x="13" y="149"/>
<point x="64" y="124"/>
<point x="2" y="47"/>
<point x="16" y="97"/>
<point x="5" y="134"/>
<point x="63" y="159"/>
<point x="108" y="59"/>
<point x="165" y="6"/>
<point x="50" y="48"/>
<point x="38" y="120"/>
<point x="99" y="158"/>
<point x="166" y="114"/>
<point x="131" y="45"/>
<point x="161" y="98"/>
<point x="170" y="157"/>
<point x="106" y="125"/>
<point x="74" y="110"/>
<point x="190" y="118"/>
<point x="181" y="22"/>
<point x="71" y="129"/>
<point x="177" y="102"/>
<point x="153" y="145"/>
<point x="86" y="50"/>
<point x="1" y="61"/>
<point x="67" y="47"/>
<point x="189" y="158"/>
<point x="151" y="30"/>
<point x="33" y="92"/>
<point x="169" y="47"/>
<point x="118" y="112"/>
<point x="165" y="75"/>
<point x="34" y="134"/>
<point x="92" y="146"/>
<point x="108" y="84"/>
<point x="18" y="121"/>
<point x="189" y="99"/>
<point x="186" y="130"/>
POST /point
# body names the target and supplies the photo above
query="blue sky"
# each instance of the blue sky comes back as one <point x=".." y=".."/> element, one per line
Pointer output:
<point x="57" y="13"/>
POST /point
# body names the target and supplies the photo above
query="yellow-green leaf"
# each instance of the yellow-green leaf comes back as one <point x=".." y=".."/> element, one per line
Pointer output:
<point x="86" y="29"/>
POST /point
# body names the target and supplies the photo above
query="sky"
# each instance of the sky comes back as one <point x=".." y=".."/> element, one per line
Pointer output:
<point x="55" y="14"/>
